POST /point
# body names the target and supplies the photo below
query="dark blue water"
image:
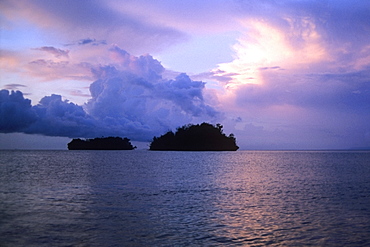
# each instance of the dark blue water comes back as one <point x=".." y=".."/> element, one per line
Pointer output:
<point x="148" y="198"/>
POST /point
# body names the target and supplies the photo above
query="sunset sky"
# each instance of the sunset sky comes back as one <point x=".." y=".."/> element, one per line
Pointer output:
<point x="278" y="74"/>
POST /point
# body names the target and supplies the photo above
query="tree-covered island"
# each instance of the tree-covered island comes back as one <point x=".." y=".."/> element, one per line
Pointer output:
<point x="104" y="143"/>
<point x="200" y="137"/>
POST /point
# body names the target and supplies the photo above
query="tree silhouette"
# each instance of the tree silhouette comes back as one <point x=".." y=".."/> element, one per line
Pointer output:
<point x="200" y="137"/>
<point x="107" y="143"/>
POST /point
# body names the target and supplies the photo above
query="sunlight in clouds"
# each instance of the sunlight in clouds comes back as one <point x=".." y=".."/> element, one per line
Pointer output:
<point x="261" y="46"/>
<point x="307" y="44"/>
<point x="265" y="47"/>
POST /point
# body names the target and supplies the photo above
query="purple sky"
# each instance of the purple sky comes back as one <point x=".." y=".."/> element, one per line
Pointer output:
<point x="277" y="74"/>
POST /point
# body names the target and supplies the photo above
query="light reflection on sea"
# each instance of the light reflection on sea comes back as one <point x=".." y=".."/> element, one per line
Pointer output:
<point x="146" y="198"/>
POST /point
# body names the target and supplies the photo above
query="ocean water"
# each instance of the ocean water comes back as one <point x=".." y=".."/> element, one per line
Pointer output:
<point x="151" y="198"/>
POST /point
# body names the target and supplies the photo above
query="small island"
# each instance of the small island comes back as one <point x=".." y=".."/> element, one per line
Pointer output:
<point x="200" y="137"/>
<point x="104" y="143"/>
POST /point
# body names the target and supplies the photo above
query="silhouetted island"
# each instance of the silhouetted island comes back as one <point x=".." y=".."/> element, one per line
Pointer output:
<point x="104" y="143"/>
<point x="203" y="137"/>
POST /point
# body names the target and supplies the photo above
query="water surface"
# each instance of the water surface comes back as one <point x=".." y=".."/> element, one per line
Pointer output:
<point x="148" y="198"/>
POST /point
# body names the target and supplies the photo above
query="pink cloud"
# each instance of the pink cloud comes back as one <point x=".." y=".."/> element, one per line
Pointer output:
<point x="54" y="51"/>
<point x="94" y="19"/>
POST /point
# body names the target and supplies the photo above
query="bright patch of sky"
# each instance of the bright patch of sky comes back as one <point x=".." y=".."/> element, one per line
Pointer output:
<point x="23" y="35"/>
<point x="199" y="53"/>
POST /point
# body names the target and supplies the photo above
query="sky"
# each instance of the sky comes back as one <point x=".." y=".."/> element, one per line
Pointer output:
<point x="278" y="74"/>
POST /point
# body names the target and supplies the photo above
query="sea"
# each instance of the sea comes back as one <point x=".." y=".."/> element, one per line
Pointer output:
<point x="158" y="198"/>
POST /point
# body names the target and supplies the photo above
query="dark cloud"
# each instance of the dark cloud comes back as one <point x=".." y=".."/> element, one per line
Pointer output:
<point x="15" y="111"/>
<point x="92" y="42"/>
<point x="129" y="98"/>
<point x="54" y="51"/>
<point x="51" y="116"/>
<point x="88" y="41"/>
<point x="61" y="118"/>
<point x="14" y="86"/>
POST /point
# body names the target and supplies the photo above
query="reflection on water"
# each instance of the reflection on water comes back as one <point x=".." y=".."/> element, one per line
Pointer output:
<point x="143" y="198"/>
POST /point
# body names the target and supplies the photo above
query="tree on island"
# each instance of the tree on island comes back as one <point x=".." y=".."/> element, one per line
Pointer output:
<point x="104" y="143"/>
<point x="200" y="137"/>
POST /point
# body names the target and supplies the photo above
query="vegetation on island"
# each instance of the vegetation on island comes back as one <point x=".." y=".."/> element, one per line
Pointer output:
<point x="104" y="143"/>
<point x="200" y="137"/>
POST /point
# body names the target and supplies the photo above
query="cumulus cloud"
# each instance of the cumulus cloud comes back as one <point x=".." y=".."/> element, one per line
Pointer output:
<point x="51" y="116"/>
<point x="61" y="118"/>
<point x="144" y="102"/>
<point x="15" y="111"/>
<point x="128" y="98"/>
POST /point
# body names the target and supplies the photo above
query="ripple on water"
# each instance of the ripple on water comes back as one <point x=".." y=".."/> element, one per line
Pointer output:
<point x="141" y="198"/>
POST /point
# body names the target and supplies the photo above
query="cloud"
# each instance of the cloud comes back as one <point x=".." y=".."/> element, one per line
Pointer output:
<point x="61" y="118"/>
<point x="48" y="69"/>
<point x="299" y="72"/>
<point x="88" y="41"/>
<point x="191" y="15"/>
<point x="95" y="19"/>
<point x="54" y="51"/>
<point x="144" y="102"/>
<point x="10" y="61"/>
<point x="300" y="53"/>
<point x="128" y="98"/>
<point x="340" y="27"/>
<point x="52" y="116"/>
<point x="92" y="42"/>
<point x="15" y="111"/>
<point x="343" y="92"/>
<point x="300" y="75"/>
<point x="14" y="86"/>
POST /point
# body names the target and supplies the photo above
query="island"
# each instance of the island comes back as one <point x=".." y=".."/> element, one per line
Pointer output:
<point x="200" y="137"/>
<point x="104" y="143"/>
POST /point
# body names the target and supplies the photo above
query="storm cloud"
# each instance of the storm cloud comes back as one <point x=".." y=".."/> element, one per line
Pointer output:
<point x="128" y="98"/>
